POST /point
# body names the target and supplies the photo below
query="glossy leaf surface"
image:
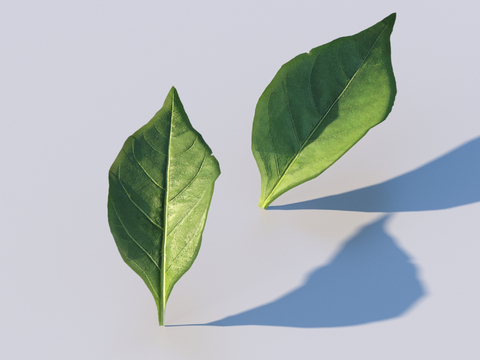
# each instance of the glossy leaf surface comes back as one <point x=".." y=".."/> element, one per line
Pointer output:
<point x="319" y="105"/>
<point x="161" y="185"/>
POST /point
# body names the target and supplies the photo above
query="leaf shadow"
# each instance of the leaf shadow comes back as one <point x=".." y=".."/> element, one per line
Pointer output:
<point x="370" y="279"/>
<point x="449" y="181"/>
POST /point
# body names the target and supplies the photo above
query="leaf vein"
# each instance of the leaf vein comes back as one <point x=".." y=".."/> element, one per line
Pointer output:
<point x="188" y="213"/>
<point x="158" y="131"/>
<point x="144" y="170"/>
<point x="133" y="239"/>
<point x="155" y="149"/>
<point x="193" y="179"/>
<point x="193" y="236"/>
<point x="134" y="203"/>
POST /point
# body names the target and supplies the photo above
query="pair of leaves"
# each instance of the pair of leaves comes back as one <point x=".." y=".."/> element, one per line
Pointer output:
<point x="318" y="106"/>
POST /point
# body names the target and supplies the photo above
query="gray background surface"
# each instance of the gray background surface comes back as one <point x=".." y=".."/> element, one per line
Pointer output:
<point x="383" y="265"/>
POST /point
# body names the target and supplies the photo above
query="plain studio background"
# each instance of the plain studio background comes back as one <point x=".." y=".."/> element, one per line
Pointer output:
<point x="375" y="259"/>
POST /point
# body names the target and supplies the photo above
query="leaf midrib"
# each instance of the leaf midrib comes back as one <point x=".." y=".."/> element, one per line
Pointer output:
<point x="304" y="143"/>
<point x="165" y="210"/>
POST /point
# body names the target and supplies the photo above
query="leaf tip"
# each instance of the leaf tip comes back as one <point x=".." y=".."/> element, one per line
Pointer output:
<point x="173" y="92"/>
<point x="390" y="19"/>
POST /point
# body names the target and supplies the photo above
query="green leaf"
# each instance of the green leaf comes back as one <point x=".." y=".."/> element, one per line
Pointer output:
<point x="161" y="185"/>
<point x="319" y="105"/>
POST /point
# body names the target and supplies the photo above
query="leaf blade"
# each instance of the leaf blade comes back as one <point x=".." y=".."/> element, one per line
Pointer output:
<point x="153" y="201"/>
<point x="337" y="91"/>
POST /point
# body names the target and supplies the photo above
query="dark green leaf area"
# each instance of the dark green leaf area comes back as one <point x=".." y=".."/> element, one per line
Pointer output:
<point x="161" y="185"/>
<point x="319" y="105"/>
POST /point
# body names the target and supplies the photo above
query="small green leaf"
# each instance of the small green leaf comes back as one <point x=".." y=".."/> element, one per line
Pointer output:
<point x="161" y="185"/>
<point x="319" y="105"/>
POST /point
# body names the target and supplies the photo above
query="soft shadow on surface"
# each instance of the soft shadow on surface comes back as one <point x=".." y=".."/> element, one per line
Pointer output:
<point x="449" y="181"/>
<point x="370" y="279"/>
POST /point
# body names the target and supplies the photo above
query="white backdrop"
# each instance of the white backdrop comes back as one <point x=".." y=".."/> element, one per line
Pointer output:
<point x="381" y="264"/>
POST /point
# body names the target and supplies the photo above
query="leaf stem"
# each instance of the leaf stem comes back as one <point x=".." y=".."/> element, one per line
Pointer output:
<point x="161" y="315"/>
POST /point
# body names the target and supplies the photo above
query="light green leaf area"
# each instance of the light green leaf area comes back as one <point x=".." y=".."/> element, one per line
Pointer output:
<point x="161" y="185"/>
<point x="319" y="105"/>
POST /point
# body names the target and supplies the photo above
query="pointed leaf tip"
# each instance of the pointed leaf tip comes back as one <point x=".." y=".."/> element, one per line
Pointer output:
<point x="391" y="18"/>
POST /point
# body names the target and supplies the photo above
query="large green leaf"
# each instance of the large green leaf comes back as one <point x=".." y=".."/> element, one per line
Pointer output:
<point x="319" y="105"/>
<point x="161" y="185"/>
